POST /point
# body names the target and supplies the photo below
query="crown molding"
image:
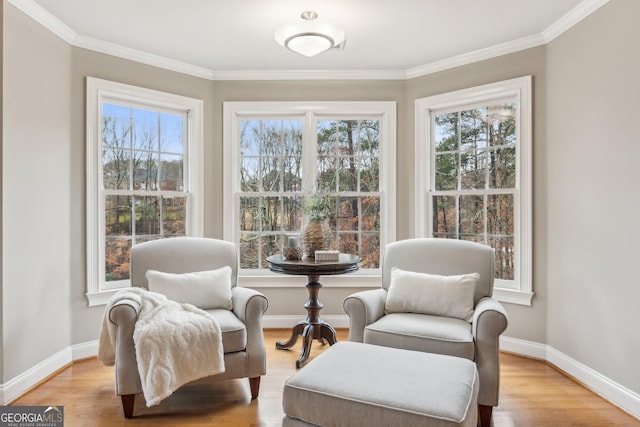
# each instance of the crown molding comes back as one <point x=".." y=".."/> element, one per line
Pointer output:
<point x="571" y="18"/>
<point x="310" y="75"/>
<point x="142" y="57"/>
<point x="40" y="15"/>
<point x="476" y="56"/>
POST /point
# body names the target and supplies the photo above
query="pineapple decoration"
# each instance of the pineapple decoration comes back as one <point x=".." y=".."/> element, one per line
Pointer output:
<point x="316" y="234"/>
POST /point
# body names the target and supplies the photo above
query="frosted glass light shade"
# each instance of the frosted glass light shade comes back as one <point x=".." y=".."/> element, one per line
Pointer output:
<point x="309" y="37"/>
<point x="309" y="44"/>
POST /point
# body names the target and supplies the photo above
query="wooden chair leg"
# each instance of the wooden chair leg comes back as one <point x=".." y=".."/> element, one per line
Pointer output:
<point x="127" y="404"/>
<point x="484" y="415"/>
<point x="254" y="385"/>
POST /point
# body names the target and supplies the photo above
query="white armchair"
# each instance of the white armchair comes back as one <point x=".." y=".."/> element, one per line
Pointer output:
<point x="242" y="338"/>
<point x="477" y="340"/>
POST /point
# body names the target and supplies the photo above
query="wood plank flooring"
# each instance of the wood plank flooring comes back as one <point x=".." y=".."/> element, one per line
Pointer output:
<point x="532" y="394"/>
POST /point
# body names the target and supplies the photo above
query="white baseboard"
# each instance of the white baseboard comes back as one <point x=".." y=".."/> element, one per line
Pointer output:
<point x="84" y="350"/>
<point x="18" y="385"/>
<point x="523" y="347"/>
<point x="622" y="397"/>
<point x="617" y="394"/>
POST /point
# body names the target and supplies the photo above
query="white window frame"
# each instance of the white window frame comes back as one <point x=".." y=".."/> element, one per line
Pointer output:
<point x="310" y="112"/>
<point x="518" y="291"/>
<point x="98" y="92"/>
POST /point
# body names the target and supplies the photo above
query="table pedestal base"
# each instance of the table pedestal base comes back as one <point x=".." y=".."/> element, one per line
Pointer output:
<point x="309" y="332"/>
<point x="313" y="328"/>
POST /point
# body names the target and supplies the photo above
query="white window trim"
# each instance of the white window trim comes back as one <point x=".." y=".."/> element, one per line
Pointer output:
<point x="520" y="88"/>
<point x="97" y="90"/>
<point x="386" y="110"/>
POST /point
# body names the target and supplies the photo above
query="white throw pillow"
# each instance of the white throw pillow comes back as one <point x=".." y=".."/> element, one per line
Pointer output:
<point x="204" y="289"/>
<point x="450" y="296"/>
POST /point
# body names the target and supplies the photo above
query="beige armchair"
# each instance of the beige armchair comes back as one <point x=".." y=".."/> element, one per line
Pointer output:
<point x="476" y="340"/>
<point x="242" y="338"/>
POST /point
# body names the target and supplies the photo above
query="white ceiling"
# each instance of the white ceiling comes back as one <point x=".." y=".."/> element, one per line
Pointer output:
<point x="388" y="37"/>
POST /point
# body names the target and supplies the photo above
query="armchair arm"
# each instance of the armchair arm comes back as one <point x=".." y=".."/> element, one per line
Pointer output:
<point x="489" y="321"/>
<point x="250" y="305"/>
<point x="363" y="309"/>
<point x="123" y="314"/>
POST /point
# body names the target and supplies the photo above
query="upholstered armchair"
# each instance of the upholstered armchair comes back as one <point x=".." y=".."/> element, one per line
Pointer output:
<point x="242" y="338"/>
<point x="475" y="337"/>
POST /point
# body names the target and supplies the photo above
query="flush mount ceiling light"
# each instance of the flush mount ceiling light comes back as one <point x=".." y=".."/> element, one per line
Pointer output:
<point x="309" y="37"/>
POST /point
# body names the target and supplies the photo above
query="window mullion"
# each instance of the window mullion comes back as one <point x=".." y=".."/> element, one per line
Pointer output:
<point x="158" y="178"/>
<point x="487" y="154"/>
<point x="485" y="200"/>
<point x="279" y="158"/>
<point x="309" y="153"/>
<point x="360" y="235"/>
<point x="458" y="170"/>
<point x="130" y="148"/>
<point x="261" y="156"/>
<point x="131" y="176"/>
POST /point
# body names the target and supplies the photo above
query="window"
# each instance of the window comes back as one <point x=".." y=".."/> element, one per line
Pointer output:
<point x="280" y="152"/>
<point x="474" y="170"/>
<point x="143" y="180"/>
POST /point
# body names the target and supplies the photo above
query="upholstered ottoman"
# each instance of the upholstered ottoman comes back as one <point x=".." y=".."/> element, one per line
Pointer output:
<point x="354" y="384"/>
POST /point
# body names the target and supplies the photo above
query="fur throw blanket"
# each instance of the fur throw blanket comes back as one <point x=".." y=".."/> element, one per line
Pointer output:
<point x="175" y="343"/>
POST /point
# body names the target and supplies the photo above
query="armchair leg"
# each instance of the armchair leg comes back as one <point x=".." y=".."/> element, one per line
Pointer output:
<point x="254" y="385"/>
<point x="127" y="404"/>
<point x="484" y="415"/>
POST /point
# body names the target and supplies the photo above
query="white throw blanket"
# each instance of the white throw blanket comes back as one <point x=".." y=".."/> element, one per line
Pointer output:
<point x="175" y="343"/>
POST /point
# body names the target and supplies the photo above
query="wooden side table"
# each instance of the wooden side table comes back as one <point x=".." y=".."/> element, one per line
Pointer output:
<point x="312" y="327"/>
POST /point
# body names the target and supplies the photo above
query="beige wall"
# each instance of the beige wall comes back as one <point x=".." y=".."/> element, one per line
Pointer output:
<point x="37" y="198"/>
<point x="593" y="110"/>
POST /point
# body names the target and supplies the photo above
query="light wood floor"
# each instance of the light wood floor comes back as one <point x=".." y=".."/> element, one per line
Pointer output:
<point x="532" y="394"/>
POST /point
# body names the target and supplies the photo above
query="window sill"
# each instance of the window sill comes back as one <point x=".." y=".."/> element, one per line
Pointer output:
<point x="353" y="280"/>
<point x="101" y="297"/>
<point x="512" y="296"/>
<point x="269" y="279"/>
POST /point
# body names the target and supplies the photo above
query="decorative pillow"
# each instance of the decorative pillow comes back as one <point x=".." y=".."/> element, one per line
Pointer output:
<point x="449" y="296"/>
<point x="204" y="289"/>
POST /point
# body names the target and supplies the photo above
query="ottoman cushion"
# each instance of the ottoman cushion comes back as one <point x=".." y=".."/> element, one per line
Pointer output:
<point x="361" y="384"/>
